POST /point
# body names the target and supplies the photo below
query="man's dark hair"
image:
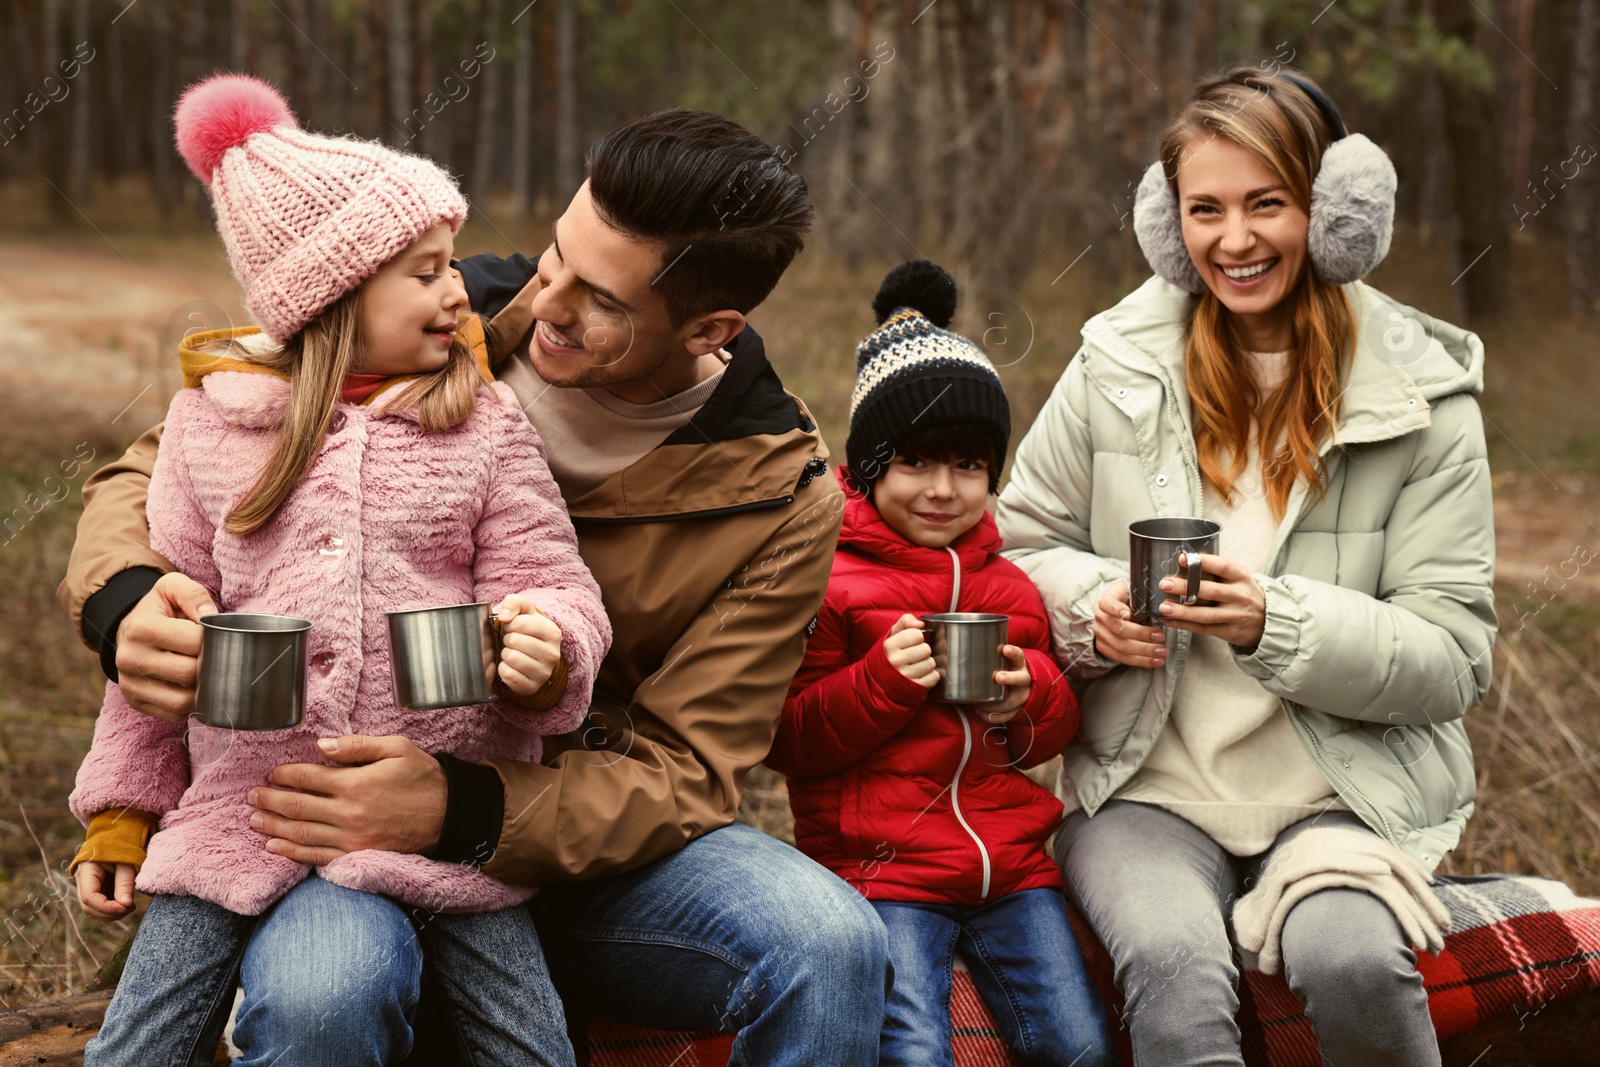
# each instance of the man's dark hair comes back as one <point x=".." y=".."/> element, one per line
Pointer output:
<point x="952" y="443"/>
<point x="730" y="215"/>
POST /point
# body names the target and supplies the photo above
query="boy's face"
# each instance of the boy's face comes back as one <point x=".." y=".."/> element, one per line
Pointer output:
<point x="932" y="502"/>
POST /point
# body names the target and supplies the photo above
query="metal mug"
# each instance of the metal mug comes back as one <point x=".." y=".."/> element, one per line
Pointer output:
<point x="443" y="657"/>
<point x="252" y="671"/>
<point x="1154" y="546"/>
<point x="966" y="649"/>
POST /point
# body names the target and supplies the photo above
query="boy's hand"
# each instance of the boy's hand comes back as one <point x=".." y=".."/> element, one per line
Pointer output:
<point x="909" y="653"/>
<point x="1018" y="683"/>
<point x="94" y="878"/>
<point x="530" y="645"/>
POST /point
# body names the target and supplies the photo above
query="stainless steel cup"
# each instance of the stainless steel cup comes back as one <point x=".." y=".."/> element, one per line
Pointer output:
<point x="966" y="649"/>
<point x="443" y="657"/>
<point x="1154" y="546"/>
<point x="252" y="671"/>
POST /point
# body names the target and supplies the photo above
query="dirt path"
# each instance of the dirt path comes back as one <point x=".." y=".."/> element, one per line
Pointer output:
<point x="95" y="333"/>
<point x="89" y="332"/>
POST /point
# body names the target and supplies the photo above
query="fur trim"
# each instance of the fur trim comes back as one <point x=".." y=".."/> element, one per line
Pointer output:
<point x="1159" y="228"/>
<point x="223" y="112"/>
<point x="1352" y="210"/>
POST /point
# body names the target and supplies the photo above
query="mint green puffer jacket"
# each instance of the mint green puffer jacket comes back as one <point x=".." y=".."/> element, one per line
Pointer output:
<point x="1380" y="609"/>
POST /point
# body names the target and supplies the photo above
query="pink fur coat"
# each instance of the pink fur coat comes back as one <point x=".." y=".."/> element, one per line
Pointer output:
<point x="387" y="518"/>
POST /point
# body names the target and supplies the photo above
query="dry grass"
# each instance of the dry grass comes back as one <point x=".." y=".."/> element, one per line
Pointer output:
<point x="1538" y="737"/>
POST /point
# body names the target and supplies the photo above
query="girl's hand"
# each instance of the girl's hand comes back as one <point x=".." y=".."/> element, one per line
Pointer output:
<point x="909" y="653"/>
<point x="530" y="645"/>
<point x="1117" y="637"/>
<point x="94" y="879"/>
<point x="1018" y="683"/>
<point x="1240" y="614"/>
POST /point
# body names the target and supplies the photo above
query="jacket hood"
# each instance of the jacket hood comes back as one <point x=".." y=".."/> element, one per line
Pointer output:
<point x="866" y="532"/>
<point x="1387" y="392"/>
<point x="254" y="396"/>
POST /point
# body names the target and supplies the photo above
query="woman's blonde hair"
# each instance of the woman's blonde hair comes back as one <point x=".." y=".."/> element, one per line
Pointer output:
<point x="1278" y="122"/>
<point x="315" y="360"/>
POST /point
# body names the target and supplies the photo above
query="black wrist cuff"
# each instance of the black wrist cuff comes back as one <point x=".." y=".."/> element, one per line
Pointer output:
<point x="475" y="807"/>
<point x="104" y="611"/>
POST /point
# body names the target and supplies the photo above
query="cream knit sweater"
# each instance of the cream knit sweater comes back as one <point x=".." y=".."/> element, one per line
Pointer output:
<point x="1228" y="759"/>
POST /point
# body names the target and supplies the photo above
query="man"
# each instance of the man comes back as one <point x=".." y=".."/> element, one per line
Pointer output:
<point x="699" y="492"/>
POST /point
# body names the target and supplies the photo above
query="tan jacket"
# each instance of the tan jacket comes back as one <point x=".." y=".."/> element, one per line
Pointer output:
<point x="712" y="553"/>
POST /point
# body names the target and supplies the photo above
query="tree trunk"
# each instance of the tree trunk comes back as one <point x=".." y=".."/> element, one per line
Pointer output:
<point x="1473" y="133"/>
<point x="52" y="129"/>
<point x="487" y="136"/>
<point x="1583" y="218"/>
<point x="163" y="180"/>
<point x="522" y="115"/>
<point x="567" y="173"/>
<point x="239" y="36"/>
<point x="78" y="143"/>
<point x="397" y="48"/>
<point x="428" y="141"/>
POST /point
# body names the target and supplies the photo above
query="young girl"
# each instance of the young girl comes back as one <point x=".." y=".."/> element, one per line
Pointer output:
<point x="923" y="806"/>
<point x="347" y="459"/>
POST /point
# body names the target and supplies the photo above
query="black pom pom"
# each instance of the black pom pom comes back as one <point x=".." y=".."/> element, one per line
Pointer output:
<point x="920" y="284"/>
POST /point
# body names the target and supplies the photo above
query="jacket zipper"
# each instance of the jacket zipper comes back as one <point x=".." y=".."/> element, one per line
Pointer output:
<point x="966" y="747"/>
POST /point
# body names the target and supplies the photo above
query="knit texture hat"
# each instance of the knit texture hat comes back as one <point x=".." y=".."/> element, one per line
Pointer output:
<point x="912" y="375"/>
<point x="306" y="218"/>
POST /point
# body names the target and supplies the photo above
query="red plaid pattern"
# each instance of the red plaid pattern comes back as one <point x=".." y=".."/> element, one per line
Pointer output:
<point x="1517" y="945"/>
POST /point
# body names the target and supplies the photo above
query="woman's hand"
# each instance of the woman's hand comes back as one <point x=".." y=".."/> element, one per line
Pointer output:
<point x="1018" y="683"/>
<point x="1117" y="637"/>
<point x="909" y="653"/>
<point x="530" y="645"/>
<point x="94" y="879"/>
<point x="1240" y="614"/>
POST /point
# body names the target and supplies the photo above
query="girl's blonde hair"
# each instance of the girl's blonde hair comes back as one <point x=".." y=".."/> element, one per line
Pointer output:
<point x="1278" y="122"/>
<point x="315" y="360"/>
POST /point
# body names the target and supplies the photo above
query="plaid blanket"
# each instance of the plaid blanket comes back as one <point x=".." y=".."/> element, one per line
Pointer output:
<point x="1517" y="946"/>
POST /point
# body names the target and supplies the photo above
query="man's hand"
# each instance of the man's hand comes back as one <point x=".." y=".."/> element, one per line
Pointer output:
<point x="389" y="795"/>
<point x="94" y="879"/>
<point x="908" y="651"/>
<point x="158" y="647"/>
<point x="1018" y="683"/>
<point x="1119" y="638"/>
<point x="530" y="645"/>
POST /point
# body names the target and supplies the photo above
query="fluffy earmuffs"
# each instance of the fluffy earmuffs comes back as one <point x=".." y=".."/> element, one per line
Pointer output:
<point x="1352" y="212"/>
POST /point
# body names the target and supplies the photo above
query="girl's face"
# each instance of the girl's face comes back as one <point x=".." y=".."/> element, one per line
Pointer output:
<point x="1245" y="233"/>
<point x="410" y="308"/>
<point x="932" y="503"/>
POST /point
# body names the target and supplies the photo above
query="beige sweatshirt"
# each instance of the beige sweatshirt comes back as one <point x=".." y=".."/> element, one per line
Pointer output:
<point x="590" y="434"/>
<point x="1228" y="759"/>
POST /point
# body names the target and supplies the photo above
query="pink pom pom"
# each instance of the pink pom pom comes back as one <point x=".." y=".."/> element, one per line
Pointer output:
<point x="223" y="111"/>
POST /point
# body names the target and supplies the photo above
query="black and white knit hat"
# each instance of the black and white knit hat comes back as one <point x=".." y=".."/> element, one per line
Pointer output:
<point x="912" y="375"/>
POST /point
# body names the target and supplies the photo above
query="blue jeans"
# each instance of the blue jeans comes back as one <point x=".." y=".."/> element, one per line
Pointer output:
<point x="331" y="976"/>
<point x="735" y="932"/>
<point x="1026" y="964"/>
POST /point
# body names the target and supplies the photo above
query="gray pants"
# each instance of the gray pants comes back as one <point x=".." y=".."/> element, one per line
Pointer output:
<point x="1159" y="892"/>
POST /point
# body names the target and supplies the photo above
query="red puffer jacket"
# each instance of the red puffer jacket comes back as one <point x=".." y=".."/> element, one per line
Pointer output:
<point x="905" y="798"/>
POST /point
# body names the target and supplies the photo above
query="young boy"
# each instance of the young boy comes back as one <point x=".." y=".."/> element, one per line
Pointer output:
<point x="921" y="805"/>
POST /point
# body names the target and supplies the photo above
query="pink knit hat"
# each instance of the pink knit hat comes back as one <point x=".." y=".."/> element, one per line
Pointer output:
<point x="306" y="218"/>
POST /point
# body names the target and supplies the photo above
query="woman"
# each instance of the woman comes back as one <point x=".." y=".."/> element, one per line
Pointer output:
<point x="1318" y="697"/>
